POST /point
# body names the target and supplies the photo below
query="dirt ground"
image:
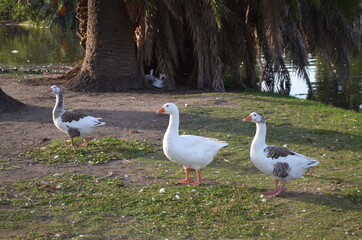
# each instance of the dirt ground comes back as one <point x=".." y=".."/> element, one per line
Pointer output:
<point x="128" y="115"/>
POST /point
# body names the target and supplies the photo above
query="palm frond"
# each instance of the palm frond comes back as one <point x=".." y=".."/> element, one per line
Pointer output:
<point x="349" y="10"/>
<point x="219" y="9"/>
<point x="328" y="32"/>
<point x="273" y="25"/>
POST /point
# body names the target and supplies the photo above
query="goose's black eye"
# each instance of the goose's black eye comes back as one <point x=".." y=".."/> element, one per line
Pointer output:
<point x="166" y="105"/>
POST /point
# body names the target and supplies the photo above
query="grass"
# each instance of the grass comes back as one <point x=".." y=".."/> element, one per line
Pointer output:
<point x="74" y="205"/>
<point x="325" y="204"/>
<point x="98" y="151"/>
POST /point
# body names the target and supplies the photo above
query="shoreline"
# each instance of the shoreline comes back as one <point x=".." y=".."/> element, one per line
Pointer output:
<point x="9" y="22"/>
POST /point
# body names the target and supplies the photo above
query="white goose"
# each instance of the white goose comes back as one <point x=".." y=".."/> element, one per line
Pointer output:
<point x="73" y="123"/>
<point x="193" y="152"/>
<point x="277" y="161"/>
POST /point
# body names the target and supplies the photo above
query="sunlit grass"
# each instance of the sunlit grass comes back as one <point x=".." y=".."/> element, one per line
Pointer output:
<point x="98" y="151"/>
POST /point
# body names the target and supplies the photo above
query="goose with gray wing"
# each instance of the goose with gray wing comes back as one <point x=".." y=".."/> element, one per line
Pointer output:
<point x="277" y="161"/>
<point x="72" y="123"/>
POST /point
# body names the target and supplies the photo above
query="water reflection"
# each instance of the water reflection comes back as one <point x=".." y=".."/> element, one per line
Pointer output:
<point x="299" y="88"/>
<point x="328" y="86"/>
<point x="27" y="48"/>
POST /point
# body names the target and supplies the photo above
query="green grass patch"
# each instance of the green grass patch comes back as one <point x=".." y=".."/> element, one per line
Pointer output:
<point x="98" y="151"/>
<point x="67" y="206"/>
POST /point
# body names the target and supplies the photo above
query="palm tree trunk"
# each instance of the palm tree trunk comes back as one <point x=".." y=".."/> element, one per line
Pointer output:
<point x="109" y="63"/>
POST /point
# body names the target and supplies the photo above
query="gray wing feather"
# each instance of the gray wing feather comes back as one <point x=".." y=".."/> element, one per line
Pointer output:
<point x="72" y="116"/>
<point x="276" y="152"/>
<point x="281" y="169"/>
<point x="73" y="132"/>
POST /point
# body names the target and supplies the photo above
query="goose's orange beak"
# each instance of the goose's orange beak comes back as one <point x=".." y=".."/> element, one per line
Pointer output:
<point x="49" y="90"/>
<point x="161" y="110"/>
<point x="247" y="119"/>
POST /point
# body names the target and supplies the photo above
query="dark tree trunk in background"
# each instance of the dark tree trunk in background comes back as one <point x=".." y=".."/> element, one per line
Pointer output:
<point x="8" y="104"/>
<point x="109" y="63"/>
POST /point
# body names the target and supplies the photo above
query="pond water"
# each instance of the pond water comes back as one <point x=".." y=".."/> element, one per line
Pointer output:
<point x="40" y="50"/>
<point x="37" y="50"/>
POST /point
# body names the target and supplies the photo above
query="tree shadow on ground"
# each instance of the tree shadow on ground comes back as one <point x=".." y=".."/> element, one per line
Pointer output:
<point x="149" y="120"/>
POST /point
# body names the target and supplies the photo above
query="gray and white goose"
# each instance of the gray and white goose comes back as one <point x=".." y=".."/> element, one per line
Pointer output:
<point x="277" y="161"/>
<point x="73" y="123"/>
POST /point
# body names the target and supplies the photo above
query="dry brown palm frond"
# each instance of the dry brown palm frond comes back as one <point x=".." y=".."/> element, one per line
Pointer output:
<point x="161" y="32"/>
<point x="137" y="11"/>
<point x="196" y="21"/>
<point x="292" y="37"/>
<point x="326" y="29"/>
<point x="273" y="24"/>
<point x="233" y="46"/>
<point x="134" y="10"/>
<point x="267" y="82"/>
<point x="250" y="59"/>
<point x="295" y="44"/>
<point x="191" y="22"/>
<point x="162" y="41"/>
<point x="175" y="26"/>
<point x="175" y="7"/>
<point x="296" y="47"/>
<point x="168" y="42"/>
<point x="82" y="16"/>
<point x="217" y="81"/>
<point x="258" y="44"/>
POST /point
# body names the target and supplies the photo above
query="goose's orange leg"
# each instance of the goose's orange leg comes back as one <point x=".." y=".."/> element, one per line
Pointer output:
<point x="271" y="192"/>
<point x="85" y="143"/>
<point x="187" y="179"/>
<point x="71" y="142"/>
<point x="198" y="172"/>
<point x="280" y="190"/>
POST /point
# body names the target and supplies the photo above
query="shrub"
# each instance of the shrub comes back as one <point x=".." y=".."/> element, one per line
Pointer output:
<point x="6" y="7"/>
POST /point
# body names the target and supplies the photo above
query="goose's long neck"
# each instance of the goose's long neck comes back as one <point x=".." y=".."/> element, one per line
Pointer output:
<point x="173" y="125"/>
<point x="58" y="108"/>
<point x="260" y="135"/>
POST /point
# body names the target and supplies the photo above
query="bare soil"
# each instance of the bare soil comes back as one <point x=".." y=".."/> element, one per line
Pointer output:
<point x="128" y="115"/>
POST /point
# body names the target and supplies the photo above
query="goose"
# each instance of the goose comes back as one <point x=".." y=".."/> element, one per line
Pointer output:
<point x="72" y="123"/>
<point x="193" y="152"/>
<point x="276" y="161"/>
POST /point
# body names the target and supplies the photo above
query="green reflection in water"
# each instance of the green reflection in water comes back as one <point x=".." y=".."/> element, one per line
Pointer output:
<point x="34" y="48"/>
<point x="331" y="88"/>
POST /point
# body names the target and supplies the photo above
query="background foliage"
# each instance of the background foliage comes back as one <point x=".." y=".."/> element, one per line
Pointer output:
<point x="11" y="10"/>
<point x="60" y="13"/>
